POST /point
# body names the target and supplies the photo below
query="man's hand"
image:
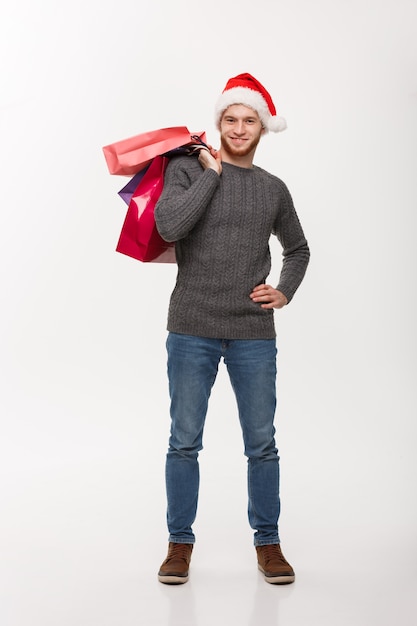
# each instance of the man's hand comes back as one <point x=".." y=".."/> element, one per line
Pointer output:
<point x="268" y="297"/>
<point x="210" y="159"/>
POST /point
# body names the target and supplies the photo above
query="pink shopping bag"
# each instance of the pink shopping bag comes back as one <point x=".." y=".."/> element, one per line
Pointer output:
<point x="129" y="156"/>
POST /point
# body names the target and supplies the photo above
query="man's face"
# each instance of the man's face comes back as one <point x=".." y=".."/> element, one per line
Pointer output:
<point x="240" y="130"/>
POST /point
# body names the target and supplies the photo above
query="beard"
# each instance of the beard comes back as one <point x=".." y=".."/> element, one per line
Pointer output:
<point x="239" y="151"/>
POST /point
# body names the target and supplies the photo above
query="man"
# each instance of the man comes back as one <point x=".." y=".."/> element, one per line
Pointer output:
<point x="221" y="210"/>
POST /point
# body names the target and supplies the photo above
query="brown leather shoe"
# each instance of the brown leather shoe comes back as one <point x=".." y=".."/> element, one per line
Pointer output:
<point x="174" y="570"/>
<point x="272" y="564"/>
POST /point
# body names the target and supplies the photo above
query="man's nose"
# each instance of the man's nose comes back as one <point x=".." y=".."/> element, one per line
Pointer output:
<point x="239" y="127"/>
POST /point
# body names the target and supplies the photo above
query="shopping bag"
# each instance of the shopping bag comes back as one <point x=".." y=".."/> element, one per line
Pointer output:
<point x="139" y="237"/>
<point x="129" y="156"/>
<point x="189" y="149"/>
<point x="129" y="189"/>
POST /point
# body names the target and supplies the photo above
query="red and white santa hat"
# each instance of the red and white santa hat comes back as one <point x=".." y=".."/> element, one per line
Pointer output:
<point x="245" y="89"/>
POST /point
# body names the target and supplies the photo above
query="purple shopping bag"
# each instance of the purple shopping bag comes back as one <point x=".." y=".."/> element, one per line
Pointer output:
<point x="128" y="190"/>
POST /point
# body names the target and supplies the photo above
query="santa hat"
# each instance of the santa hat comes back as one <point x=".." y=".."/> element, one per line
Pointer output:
<point x="245" y="89"/>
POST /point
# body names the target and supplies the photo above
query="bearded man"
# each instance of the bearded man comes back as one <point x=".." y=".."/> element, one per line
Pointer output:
<point x="221" y="211"/>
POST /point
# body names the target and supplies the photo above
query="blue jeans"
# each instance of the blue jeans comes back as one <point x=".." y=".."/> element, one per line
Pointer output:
<point x="192" y="369"/>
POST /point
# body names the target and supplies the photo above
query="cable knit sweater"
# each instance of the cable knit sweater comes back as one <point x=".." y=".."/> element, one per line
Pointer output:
<point x="222" y="226"/>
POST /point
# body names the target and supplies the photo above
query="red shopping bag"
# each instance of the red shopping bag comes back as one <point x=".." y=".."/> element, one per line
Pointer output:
<point x="139" y="237"/>
<point x="129" y="156"/>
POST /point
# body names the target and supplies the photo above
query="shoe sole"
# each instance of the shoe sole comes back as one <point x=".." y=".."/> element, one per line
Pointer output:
<point x="172" y="580"/>
<point x="278" y="580"/>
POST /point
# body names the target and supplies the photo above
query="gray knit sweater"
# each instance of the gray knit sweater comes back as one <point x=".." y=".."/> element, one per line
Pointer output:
<point x="222" y="226"/>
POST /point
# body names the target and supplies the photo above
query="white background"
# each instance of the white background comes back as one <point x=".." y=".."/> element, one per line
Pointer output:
<point x="84" y="407"/>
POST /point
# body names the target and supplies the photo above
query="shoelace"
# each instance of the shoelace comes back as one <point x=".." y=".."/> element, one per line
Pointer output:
<point x="179" y="551"/>
<point x="272" y="552"/>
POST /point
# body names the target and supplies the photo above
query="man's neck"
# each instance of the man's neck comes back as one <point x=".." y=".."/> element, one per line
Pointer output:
<point x="240" y="161"/>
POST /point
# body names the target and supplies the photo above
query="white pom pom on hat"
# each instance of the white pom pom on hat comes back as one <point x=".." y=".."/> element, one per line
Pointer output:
<point x="245" y="89"/>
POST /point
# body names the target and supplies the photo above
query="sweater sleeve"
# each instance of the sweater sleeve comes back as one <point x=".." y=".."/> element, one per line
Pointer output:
<point x="296" y="252"/>
<point x="187" y="192"/>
